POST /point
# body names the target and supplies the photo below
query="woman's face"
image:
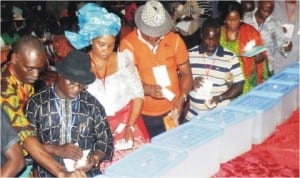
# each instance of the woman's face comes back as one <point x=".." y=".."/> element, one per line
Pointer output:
<point x="103" y="46"/>
<point x="233" y="20"/>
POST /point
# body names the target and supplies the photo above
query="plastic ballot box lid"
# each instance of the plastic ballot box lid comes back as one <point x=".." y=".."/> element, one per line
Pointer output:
<point x="147" y="161"/>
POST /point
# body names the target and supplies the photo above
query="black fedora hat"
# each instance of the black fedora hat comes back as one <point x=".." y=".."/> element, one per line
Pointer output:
<point x="76" y="66"/>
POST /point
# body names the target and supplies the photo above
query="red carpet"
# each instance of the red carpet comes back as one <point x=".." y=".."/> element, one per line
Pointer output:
<point x="277" y="156"/>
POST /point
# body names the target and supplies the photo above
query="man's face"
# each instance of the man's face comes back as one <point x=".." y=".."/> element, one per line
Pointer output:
<point x="210" y="40"/>
<point x="265" y="9"/>
<point x="149" y="39"/>
<point x="28" y="65"/>
<point x="67" y="88"/>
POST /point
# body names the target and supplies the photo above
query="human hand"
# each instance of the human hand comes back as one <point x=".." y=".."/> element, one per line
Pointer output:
<point x="91" y="161"/>
<point x="129" y="133"/>
<point x="70" y="151"/>
<point x="174" y="114"/>
<point x="214" y="100"/>
<point x="76" y="173"/>
<point x="212" y="103"/>
<point x="155" y="91"/>
<point x="197" y="82"/>
<point x="288" y="47"/>
<point x="259" y="58"/>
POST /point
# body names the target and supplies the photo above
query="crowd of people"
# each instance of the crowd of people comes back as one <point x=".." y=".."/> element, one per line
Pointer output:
<point x="83" y="84"/>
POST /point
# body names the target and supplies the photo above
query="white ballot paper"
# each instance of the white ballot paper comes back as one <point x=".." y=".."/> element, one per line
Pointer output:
<point x="168" y="94"/>
<point x="123" y="145"/>
<point x="204" y="91"/>
<point x="162" y="79"/>
<point x="161" y="75"/>
<point x="71" y="164"/>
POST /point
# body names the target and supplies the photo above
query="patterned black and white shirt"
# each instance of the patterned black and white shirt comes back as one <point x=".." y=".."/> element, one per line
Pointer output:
<point x="80" y="120"/>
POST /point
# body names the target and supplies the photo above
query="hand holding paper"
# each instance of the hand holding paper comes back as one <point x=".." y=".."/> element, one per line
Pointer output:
<point x="71" y="164"/>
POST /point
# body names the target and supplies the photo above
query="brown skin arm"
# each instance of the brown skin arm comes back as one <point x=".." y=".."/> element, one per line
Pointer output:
<point x="65" y="151"/>
<point x="39" y="154"/>
<point x="234" y="91"/>
<point x="185" y="84"/>
<point x="93" y="160"/>
<point x="153" y="90"/>
<point x="136" y="110"/>
<point x="15" y="161"/>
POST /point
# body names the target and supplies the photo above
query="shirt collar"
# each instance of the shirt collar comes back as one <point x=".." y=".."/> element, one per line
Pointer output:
<point x="219" y="50"/>
<point x="153" y="48"/>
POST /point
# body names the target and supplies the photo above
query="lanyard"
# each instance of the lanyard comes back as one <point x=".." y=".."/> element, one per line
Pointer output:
<point x="66" y="132"/>
<point x="212" y="57"/>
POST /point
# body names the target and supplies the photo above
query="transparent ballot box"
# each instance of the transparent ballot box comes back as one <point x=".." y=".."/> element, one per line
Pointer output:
<point x="202" y="143"/>
<point x="148" y="161"/>
<point x="267" y="109"/>
<point x="237" y="125"/>
<point x="289" y="76"/>
<point x="287" y="92"/>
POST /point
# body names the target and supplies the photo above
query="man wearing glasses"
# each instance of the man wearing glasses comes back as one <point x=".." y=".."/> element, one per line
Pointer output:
<point x="69" y="121"/>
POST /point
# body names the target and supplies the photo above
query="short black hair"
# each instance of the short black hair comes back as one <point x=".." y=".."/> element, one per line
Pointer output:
<point x="210" y="23"/>
<point x="228" y="6"/>
<point x="28" y="42"/>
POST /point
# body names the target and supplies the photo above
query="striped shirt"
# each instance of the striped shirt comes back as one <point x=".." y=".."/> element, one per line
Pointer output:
<point x="222" y="69"/>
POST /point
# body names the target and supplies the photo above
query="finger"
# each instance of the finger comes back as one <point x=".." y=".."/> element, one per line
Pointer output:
<point x="76" y="153"/>
<point x="78" y="173"/>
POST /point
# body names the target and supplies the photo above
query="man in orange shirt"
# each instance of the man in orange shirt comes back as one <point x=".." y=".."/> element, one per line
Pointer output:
<point x="162" y="61"/>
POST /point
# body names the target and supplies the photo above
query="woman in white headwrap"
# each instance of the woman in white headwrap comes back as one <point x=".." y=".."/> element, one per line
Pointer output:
<point x="118" y="86"/>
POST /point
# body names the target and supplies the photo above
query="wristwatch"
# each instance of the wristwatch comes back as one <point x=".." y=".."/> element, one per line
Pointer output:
<point x="97" y="160"/>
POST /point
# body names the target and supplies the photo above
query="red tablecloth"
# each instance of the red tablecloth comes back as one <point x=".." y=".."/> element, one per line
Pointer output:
<point x="277" y="156"/>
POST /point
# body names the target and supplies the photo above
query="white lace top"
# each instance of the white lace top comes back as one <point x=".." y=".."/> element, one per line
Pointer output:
<point x="120" y="87"/>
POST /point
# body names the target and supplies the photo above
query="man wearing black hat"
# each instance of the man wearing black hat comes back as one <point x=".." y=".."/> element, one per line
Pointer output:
<point x="69" y="121"/>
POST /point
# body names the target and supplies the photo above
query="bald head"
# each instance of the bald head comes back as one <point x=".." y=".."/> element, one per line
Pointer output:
<point x="29" y="42"/>
<point x="28" y="59"/>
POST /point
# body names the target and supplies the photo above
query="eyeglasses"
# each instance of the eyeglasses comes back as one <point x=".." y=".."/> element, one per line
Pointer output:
<point x="76" y="84"/>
